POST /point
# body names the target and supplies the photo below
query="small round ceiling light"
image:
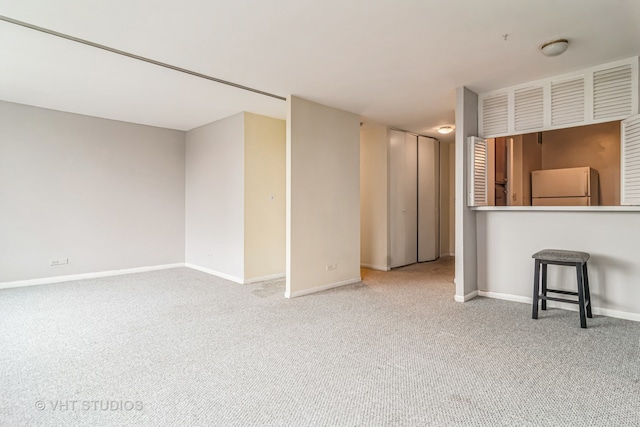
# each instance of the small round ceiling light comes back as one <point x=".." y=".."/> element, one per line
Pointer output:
<point x="555" y="47"/>
<point x="445" y="129"/>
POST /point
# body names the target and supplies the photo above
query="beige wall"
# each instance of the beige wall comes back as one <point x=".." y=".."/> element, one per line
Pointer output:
<point x="374" y="206"/>
<point x="597" y="146"/>
<point x="264" y="196"/>
<point x="104" y="194"/>
<point x="323" y="197"/>
<point x="215" y="198"/>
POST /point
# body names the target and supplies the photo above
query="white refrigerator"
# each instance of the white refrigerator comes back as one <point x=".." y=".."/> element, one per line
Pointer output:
<point x="564" y="187"/>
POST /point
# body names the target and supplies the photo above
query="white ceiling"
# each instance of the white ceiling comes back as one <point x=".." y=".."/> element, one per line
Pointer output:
<point x="395" y="62"/>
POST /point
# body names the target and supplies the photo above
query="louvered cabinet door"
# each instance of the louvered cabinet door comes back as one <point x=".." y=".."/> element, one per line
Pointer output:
<point x="529" y="109"/>
<point x="599" y="94"/>
<point x="613" y="93"/>
<point x="567" y="102"/>
<point x="495" y="115"/>
<point x="630" y="161"/>
<point x="477" y="172"/>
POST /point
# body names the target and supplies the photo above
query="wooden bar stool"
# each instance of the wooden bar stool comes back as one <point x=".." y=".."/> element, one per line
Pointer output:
<point x="566" y="258"/>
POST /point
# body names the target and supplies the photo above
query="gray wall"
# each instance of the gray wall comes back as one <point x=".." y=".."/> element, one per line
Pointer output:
<point x="107" y="195"/>
<point x="215" y="198"/>
<point x="465" y="227"/>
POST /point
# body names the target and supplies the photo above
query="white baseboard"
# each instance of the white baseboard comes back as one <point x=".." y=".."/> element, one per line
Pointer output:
<point x="73" y="277"/>
<point x="467" y="297"/>
<point x="265" y="278"/>
<point x="506" y="297"/>
<point x="376" y="267"/>
<point x="216" y="273"/>
<point x="555" y="304"/>
<point x="448" y="254"/>
<point x="322" y="288"/>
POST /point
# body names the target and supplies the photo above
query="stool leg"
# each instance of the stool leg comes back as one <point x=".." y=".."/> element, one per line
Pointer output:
<point x="544" y="285"/>
<point x="581" y="304"/>
<point x="587" y="294"/>
<point x="536" y="289"/>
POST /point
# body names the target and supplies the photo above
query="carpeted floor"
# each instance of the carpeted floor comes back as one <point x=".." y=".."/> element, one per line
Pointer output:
<point x="181" y="348"/>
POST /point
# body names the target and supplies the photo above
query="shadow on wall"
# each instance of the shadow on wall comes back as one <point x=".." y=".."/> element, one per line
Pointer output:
<point x="604" y="264"/>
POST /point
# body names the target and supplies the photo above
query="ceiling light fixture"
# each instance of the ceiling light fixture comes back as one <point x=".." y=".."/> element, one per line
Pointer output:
<point x="555" y="47"/>
<point x="445" y="129"/>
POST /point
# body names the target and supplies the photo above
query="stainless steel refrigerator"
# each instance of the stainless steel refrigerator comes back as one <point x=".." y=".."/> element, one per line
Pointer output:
<point x="565" y="187"/>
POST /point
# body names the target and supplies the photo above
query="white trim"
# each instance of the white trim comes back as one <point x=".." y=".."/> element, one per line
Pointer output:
<point x="467" y="297"/>
<point x="506" y="297"/>
<point x="264" y="278"/>
<point x="73" y="277"/>
<point x="448" y="254"/>
<point x="571" y="307"/>
<point x="376" y="267"/>
<point x="322" y="288"/>
<point x="559" y="208"/>
<point x="216" y="273"/>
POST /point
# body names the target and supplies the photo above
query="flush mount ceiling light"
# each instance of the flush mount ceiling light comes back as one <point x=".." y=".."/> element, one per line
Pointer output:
<point x="445" y="129"/>
<point x="555" y="47"/>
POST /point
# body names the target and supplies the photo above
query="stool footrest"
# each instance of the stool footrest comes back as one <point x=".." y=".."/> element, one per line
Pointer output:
<point x="558" y="299"/>
<point x="558" y="291"/>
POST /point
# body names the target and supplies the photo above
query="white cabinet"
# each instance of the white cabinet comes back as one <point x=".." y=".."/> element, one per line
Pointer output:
<point x="413" y="198"/>
<point x="403" y="201"/>
<point x="428" y="199"/>
<point x="599" y="94"/>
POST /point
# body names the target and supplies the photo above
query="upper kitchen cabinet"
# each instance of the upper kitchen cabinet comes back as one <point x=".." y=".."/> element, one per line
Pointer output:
<point x="599" y="94"/>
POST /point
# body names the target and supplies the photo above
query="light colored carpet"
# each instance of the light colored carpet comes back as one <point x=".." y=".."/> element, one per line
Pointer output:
<point x="189" y="349"/>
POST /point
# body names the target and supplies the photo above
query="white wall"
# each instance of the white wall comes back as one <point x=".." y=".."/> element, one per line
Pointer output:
<point x="323" y="197"/>
<point x="374" y="195"/>
<point x="215" y="197"/>
<point x="107" y="195"/>
<point x="506" y="241"/>
<point x="265" y="196"/>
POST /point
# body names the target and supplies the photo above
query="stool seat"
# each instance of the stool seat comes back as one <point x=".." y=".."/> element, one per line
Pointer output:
<point x="561" y="255"/>
<point x="565" y="258"/>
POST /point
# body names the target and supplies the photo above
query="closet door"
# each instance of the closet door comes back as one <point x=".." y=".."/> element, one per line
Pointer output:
<point x="403" y="200"/>
<point x="428" y="199"/>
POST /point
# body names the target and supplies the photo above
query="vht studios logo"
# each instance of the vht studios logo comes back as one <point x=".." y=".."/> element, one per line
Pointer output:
<point x="89" y="405"/>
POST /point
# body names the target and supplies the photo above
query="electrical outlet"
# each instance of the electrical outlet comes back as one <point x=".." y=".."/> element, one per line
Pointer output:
<point x="330" y="267"/>
<point x="61" y="261"/>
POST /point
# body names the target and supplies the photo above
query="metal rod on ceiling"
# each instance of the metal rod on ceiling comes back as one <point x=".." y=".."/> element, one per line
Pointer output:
<point x="138" y="57"/>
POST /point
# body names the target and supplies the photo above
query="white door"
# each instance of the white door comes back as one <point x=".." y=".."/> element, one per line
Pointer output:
<point x="428" y="199"/>
<point x="403" y="200"/>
